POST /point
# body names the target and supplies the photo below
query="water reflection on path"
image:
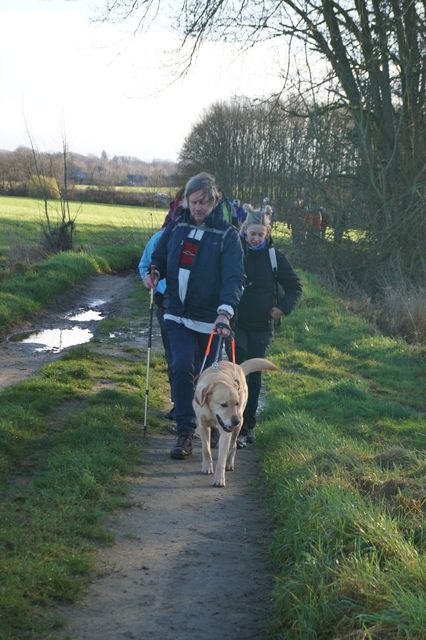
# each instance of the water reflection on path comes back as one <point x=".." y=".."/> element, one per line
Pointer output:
<point x="57" y="339"/>
<point x="72" y="329"/>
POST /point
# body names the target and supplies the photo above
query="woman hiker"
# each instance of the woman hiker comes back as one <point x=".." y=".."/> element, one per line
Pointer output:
<point x="271" y="290"/>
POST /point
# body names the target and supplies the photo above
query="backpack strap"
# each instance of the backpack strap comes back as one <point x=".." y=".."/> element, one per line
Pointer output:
<point x="274" y="267"/>
<point x="273" y="261"/>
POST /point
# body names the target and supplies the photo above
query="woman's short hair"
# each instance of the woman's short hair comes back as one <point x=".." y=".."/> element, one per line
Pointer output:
<point x="202" y="182"/>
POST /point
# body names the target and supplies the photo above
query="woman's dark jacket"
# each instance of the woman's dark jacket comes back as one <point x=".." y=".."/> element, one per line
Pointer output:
<point x="260" y="293"/>
<point x="217" y="274"/>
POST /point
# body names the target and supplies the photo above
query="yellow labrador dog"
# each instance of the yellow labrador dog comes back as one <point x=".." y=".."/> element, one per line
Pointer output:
<point x="219" y="401"/>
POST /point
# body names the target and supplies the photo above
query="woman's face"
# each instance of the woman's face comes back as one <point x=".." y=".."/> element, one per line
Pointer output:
<point x="256" y="234"/>
<point x="199" y="206"/>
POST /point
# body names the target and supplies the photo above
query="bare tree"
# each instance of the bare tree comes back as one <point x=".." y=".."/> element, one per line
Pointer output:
<point x="58" y="226"/>
<point x="255" y="150"/>
<point x="374" y="56"/>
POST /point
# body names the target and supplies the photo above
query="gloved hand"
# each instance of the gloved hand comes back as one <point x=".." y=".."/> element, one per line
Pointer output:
<point x="221" y="330"/>
<point x="151" y="279"/>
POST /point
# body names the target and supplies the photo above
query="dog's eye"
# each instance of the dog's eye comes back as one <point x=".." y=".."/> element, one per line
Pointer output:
<point x="224" y="404"/>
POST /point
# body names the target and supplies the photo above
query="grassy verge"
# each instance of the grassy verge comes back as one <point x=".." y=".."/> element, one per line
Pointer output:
<point x="68" y="439"/>
<point x="110" y="238"/>
<point x="342" y="443"/>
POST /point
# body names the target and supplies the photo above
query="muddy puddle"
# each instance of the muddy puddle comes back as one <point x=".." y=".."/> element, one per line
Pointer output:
<point x="73" y="320"/>
<point x="75" y="327"/>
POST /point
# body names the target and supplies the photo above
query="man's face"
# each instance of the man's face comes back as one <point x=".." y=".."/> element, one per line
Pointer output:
<point x="199" y="206"/>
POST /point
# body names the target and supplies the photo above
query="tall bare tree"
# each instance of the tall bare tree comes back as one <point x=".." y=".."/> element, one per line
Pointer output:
<point x="374" y="54"/>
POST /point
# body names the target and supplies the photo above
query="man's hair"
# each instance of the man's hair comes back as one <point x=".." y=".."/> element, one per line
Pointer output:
<point x="202" y="182"/>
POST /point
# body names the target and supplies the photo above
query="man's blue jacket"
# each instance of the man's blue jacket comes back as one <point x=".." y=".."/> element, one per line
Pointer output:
<point x="217" y="274"/>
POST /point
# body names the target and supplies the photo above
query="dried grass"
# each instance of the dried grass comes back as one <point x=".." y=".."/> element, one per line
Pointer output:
<point x="21" y="255"/>
<point x="403" y="312"/>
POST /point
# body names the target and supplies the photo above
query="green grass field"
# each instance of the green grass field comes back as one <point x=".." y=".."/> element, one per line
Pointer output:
<point x="108" y="238"/>
<point x="97" y="224"/>
<point x="341" y="440"/>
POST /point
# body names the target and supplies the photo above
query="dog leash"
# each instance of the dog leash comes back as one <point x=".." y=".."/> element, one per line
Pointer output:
<point x="220" y="325"/>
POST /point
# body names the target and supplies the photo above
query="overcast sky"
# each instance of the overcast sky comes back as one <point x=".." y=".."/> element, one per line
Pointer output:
<point x="107" y="89"/>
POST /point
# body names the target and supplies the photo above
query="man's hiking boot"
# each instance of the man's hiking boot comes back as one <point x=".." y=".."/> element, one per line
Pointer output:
<point x="241" y="442"/>
<point x="183" y="447"/>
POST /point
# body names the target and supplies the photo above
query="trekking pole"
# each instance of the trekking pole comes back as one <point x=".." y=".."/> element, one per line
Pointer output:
<point x="148" y="356"/>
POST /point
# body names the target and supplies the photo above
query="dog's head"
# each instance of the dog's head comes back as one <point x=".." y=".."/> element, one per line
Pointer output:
<point x="224" y="403"/>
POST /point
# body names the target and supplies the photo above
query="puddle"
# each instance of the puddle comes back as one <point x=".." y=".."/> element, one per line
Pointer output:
<point x="55" y="340"/>
<point x="70" y="321"/>
<point x="87" y="316"/>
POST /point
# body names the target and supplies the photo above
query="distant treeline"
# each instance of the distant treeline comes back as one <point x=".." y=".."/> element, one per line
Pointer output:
<point x="17" y="167"/>
<point x="47" y="188"/>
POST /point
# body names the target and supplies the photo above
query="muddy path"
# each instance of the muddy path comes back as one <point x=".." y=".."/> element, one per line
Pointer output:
<point x="189" y="561"/>
<point x="57" y="327"/>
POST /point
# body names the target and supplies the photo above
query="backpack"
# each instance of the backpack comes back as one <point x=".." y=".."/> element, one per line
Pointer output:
<point x="228" y="211"/>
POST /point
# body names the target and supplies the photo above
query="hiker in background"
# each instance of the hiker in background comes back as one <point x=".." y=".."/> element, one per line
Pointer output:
<point x="265" y="203"/>
<point x="240" y="212"/>
<point x="324" y="222"/>
<point x="200" y="256"/>
<point x="173" y="207"/>
<point x="297" y="222"/>
<point x="316" y="220"/>
<point x="271" y="290"/>
<point x="159" y="294"/>
<point x="227" y="208"/>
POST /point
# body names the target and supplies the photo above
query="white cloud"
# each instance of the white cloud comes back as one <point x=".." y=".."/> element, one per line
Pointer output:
<point x="108" y="89"/>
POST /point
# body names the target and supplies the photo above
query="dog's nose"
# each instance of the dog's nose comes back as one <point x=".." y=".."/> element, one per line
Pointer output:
<point x="235" y="421"/>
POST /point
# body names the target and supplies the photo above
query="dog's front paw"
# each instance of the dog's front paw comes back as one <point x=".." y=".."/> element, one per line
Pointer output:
<point x="218" y="482"/>
<point x="230" y="466"/>
<point x="207" y="468"/>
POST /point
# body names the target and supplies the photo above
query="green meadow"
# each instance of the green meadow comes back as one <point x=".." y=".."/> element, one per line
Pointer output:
<point x="108" y="238"/>
<point x="341" y="440"/>
<point x="97" y="224"/>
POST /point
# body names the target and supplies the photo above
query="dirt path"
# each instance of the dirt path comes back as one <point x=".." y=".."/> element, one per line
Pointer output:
<point x="189" y="561"/>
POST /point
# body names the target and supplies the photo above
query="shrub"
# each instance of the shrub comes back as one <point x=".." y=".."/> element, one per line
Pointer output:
<point x="44" y="187"/>
<point x="403" y="311"/>
<point x="110" y="195"/>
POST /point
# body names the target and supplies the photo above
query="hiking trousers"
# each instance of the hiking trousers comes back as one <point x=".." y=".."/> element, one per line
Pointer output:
<point x="187" y="349"/>
<point x="251" y="344"/>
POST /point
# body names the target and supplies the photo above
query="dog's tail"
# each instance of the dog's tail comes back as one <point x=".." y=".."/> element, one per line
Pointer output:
<point x="257" y="364"/>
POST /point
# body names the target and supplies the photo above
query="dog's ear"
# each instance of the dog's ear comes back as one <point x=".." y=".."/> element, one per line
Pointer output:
<point x="205" y="394"/>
